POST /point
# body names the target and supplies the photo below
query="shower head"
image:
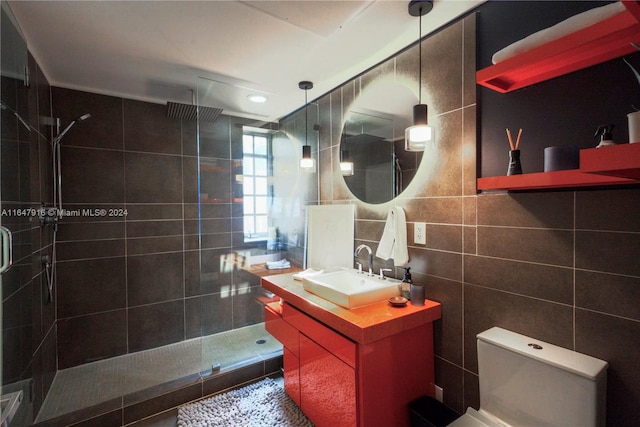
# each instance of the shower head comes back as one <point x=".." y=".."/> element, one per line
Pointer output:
<point x="58" y="138"/>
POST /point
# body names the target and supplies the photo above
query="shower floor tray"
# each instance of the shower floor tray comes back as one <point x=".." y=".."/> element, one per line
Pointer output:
<point x="96" y="382"/>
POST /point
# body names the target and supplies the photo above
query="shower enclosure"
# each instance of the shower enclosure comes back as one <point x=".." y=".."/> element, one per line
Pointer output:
<point x="156" y="286"/>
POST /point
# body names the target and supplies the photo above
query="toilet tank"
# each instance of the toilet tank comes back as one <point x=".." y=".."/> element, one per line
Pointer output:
<point x="527" y="382"/>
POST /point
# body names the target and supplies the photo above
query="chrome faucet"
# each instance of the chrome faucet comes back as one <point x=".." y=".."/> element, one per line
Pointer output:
<point x="361" y="247"/>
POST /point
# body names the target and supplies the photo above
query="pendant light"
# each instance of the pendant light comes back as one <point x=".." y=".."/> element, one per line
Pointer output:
<point x="307" y="163"/>
<point x="417" y="137"/>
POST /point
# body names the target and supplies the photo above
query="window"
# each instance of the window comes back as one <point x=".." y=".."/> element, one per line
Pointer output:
<point x="256" y="169"/>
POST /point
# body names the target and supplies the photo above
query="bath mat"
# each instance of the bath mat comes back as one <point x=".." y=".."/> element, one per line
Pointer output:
<point x="262" y="404"/>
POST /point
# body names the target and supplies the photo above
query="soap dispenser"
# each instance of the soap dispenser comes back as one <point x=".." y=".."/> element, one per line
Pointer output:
<point x="405" y="286"/>
<point x="605" y="132"/>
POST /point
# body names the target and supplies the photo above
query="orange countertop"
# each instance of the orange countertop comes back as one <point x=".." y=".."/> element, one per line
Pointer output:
<point x="363" y="325"/>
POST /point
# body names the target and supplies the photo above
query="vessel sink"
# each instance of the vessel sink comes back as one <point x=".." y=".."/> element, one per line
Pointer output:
<point x="350" y="289"/>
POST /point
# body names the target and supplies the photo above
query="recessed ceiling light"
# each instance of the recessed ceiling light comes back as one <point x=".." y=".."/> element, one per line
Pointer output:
<point x="258" y="99"/>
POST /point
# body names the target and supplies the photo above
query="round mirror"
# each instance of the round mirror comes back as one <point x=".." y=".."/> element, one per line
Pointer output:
<point x="373" y="142"/>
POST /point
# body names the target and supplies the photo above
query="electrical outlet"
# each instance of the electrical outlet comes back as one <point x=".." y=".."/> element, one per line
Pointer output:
<point x="420" y="233"/>
<point x="438" y="393"/>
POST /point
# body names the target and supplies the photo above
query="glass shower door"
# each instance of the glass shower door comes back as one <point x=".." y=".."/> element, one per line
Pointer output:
<point x="231" y="298"/>
<point x="17" y="216"/>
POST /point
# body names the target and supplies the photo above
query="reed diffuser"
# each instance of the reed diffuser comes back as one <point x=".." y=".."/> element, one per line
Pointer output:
<point x="515" y="168"/>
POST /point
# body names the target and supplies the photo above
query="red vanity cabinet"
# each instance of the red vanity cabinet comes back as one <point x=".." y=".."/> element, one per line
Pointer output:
<point x="319" y="372"/>
<point x="352" y="368"/>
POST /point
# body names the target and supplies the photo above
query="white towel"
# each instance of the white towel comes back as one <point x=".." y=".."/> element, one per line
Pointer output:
<point x="278" y="265"/>
<point x="561" y="29"/>
<point x="393" y="243"/>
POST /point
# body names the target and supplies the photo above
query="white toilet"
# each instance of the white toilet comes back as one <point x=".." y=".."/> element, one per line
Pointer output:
<point x="526" y="382"/>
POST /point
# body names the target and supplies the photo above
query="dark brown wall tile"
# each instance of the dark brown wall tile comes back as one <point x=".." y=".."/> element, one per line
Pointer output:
<point x="155" y="325"/>
<point x="150" y="245"/>
<point x="469" y="244"/>
<point x="614" y="340"/>
<point x="443" y="237"/>
<point x="190" y="177"/>
<point x="247" y="304"/>
<point x="154" y="228"/>
<point x="92" y="176"/>
<point x="90" y="231"/>
<point x="147" y="128"/>
<point x="90" y="249"/>
<point x="534" y="280"/>
<point x="471" y="390"/>
<point x="208" y="314"/>
<point x="448" y="330"/>
<point x="215" y="138"/>
<point x="450" y="378"/>
<point x="108" y="338"/>
<point x="547" y="246"/>
<point x="436" y="263"/>
<point x="535" y="210"/>
<point x="153" y="178"/>
<point x="217" y="240"/>
<point x="102" y="130"/>
<point x="442" y="69"/>
<point x="485" y="308"/>
<point x="150" y="211"/>
<point x="608" y="293"/>
<point x="617" y="210"/>
<point x="469" y="57"/>
<point x="443" y="210"/>
<point x="608" y="252"/>
<point x="91" y="286"/>
<point x="154" y="278"/>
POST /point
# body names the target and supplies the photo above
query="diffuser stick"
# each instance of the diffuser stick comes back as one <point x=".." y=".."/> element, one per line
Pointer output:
<point x="510" y="139"/>
<point x="518" y="138"/>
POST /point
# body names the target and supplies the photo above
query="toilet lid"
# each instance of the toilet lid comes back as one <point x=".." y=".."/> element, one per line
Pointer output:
<point x="473" y="418"/>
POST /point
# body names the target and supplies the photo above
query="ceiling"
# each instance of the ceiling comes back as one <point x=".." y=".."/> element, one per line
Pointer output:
<point x="160" y="51"/>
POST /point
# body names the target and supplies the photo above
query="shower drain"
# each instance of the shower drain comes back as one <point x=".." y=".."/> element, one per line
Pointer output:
<point x="261" y="341"/>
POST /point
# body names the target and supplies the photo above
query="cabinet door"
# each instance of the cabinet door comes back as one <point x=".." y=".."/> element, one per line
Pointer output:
<point x="327" y="387"/>
<point x="291" y="375"/>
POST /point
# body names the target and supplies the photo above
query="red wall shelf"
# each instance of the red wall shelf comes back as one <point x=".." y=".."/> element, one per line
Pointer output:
<point x="606" y="40"/>
<point x="614" y="165"/>
<point x="618" y="161"/>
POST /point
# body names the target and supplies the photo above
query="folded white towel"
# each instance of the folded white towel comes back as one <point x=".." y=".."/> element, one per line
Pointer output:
<point x="393" y="243"/>
<point x="561" y="29"/>
<point x="308" y="272"/>
<point x="276" y="265"/>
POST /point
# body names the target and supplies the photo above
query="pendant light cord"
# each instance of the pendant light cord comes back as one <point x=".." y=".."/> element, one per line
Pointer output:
<point x="420" y="59"/>
<point x="306" y="118"/>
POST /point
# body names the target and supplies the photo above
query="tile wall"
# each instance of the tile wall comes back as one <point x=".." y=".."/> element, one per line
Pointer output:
<point x="131" y="275"/>
<point x="557" y="266"/>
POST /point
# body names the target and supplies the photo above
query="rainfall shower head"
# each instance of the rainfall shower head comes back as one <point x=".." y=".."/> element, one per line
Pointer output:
<point x="176" y="110"/>
<point x="58" y="138"/>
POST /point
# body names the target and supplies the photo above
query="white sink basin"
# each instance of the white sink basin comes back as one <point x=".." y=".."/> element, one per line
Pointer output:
<point x="351" y="289"/>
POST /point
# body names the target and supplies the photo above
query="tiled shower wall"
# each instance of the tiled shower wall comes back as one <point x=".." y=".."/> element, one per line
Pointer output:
<point x="131" y="275"/>
<point x="558" y="266"/>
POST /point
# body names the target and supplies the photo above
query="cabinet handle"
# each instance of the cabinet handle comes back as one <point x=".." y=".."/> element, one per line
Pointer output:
<point x="7" y="252"/>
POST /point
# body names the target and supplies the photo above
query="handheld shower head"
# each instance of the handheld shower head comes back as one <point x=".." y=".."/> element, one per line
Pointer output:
<point x="58" y="138"/>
